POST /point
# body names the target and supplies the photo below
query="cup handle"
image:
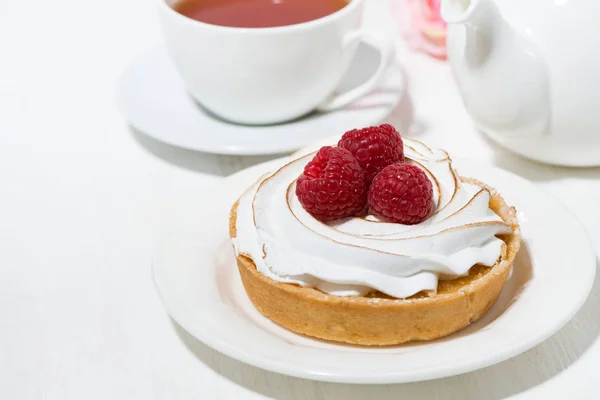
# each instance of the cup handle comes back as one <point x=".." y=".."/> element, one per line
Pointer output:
<point x="386" y="49"/>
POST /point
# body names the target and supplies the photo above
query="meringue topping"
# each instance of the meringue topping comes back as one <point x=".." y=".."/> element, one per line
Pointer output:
<point x="359" y="255"/>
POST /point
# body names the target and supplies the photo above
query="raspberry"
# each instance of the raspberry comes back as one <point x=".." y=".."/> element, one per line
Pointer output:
<point x="375" y="148"/>
<point x="402" y="193"/>
<point x="332" y="185"/>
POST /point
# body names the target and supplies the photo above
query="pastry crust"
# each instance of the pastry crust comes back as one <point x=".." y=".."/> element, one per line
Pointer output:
<point x="378" y="319"/>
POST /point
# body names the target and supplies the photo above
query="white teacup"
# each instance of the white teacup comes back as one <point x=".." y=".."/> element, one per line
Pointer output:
<point x="269" y="75"/>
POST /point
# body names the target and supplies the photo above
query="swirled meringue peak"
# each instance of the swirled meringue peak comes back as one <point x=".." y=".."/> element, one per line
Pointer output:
<point x="359" y="255"/>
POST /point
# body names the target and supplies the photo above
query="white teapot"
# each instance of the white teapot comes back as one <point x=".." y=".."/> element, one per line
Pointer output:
<point x="529" y="74"/>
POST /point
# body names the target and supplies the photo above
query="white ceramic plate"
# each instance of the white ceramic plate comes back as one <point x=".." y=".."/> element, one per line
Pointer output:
<point x="197" y="279"/>
<point x="154" y="100"/>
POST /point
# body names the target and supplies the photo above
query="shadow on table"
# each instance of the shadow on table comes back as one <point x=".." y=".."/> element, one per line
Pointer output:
<point x="196" y="161"/>
<point x="403" y="116"/>
<point x="510" y="377"/>
<point x="536" y="171"/>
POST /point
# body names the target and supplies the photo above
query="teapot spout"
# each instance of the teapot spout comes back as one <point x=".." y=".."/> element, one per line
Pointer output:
<point x="480" y="19"/>
<point x="466" y="11"/>
<point x="502" y="77"/>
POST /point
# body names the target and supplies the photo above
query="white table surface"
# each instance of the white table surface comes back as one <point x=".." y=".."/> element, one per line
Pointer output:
<point x="80" y="196"/>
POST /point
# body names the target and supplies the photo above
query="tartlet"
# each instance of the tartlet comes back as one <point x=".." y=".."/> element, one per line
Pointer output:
<point x="377" y="319"/>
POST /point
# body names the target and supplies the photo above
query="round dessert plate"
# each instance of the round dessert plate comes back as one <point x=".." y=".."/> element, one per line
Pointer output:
<point x="196" y="276"/>
<point x="153" y="98"/>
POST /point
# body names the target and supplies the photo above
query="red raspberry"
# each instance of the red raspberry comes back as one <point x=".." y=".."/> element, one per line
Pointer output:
<point x="332" y="185"/>
<point x="375" y="148"/>
<point x="402" y="193"/>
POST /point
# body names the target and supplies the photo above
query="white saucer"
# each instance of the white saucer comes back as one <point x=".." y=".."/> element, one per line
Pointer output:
<point x="197" y="278"/>
<point x="153" y="99"/>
